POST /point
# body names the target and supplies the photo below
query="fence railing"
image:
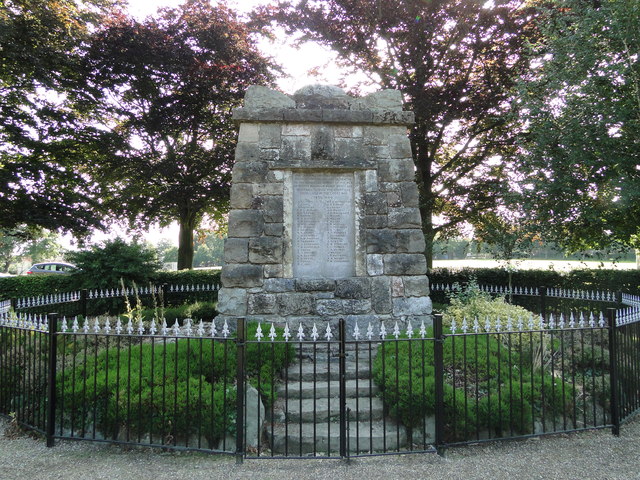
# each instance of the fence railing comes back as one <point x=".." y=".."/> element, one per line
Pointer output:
<point x="336" y="390"/>
<point x="112" y="300"/>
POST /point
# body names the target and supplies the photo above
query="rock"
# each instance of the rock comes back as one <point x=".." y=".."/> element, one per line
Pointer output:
<point x="258" y="97"/>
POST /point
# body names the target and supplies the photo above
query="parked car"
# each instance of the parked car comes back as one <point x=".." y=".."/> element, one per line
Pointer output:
<point x="52" y="267"/>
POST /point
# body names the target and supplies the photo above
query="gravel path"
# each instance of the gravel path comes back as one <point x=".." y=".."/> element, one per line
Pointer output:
<point x="588" y="455"/>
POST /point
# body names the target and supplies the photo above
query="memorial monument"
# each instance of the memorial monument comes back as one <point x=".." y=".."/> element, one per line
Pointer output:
<point x="324" y="221"/>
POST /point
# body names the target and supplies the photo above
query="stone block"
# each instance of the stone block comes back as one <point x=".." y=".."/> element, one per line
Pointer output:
<point x="380" y="152"/>
<point x="265" y="250"/>
<point x="322" y="144"/>
<point x="273" y="229"/>
<point x="381" y="100"/>
<point x="405" y="264"/>
<point x="375" y="221"/>
<point x="279" y="285"/>
<point x="254" y="418"/>
<point x="295" y="303"/>
<point x="249" y="172"/>
<point x="393" y="200"/>
<point x="371" y="181"/>
<point x="273" y="270"/>
<point x="388" y="186"/>
<point x="397" y="287"/>
<point x="375" y="203"/>
<point x="248" y="133"/>
<point x="416" y="286"/>
<point x="375" y="265"/>
<point x="241" y="195"/>
<point x="363" y="322"/>
<point x="269" y="155"/>
<point x="257" y="97"/>
<point x="321" y="96"/>
<point x="353" y="288"/>
<point x="241" y="275"/>
<point x="411" y="241"/>
<point x="295" y="149"/>
<point x="387" y="117"/>
<point x="346" y="116"/>
<point x="381" y="241"/>
<point x="294" y="115"/>
<point x="236" y="250"/>
<point x="381" y="295"/>
<point x="262" y="304"/>
<point x="273" y="209"/>
<point x="269" y="135"/>
<point x="247" y="152"/>
<point x="404" y="218"/>
<point x="410" y="194"/>
<point x="258" y="115"/>
<point x="356" y="306"/>
<point x="396" y="170"/>
<point x="245" y="223"/>
<point x="315" y="285"/>
<point x="399" y="146"/>
<point x="232" y="301"/>
<point x="329" y="307"/>
<point x="348" y="131"/>
<point x="268" y="189"/>
<point x="408" y="306"/>
<point x="296" y="129"/>
<point x="376" y="135"/>
<point x="349" y="150"/>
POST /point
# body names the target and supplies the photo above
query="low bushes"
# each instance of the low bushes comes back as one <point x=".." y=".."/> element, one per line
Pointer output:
<point x="483" y="390"/>
<point x="165" y="389"/>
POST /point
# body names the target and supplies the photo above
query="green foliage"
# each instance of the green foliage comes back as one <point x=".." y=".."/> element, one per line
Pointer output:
<point x="470" y="303"/>
<point x="168" y="86"/>
<point x="106" y="265"/>
<point x="581" y="279"/>
<point x="194" y="379"/>
<point x="582" y="109"/>
<point x="510" y="391"/>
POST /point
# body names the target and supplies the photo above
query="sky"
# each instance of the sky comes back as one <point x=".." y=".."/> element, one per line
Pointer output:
<point x="296" y="63"/>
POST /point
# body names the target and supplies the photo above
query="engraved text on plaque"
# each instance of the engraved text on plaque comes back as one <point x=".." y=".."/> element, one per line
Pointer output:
<point x="323" y="225"/>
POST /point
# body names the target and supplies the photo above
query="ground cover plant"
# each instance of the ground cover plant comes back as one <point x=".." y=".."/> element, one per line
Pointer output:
<point x="165" y="389"/>
<point x="499" y="382"/>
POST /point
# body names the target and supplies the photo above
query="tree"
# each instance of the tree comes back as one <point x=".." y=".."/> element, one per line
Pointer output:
<point x="41" y="157"/>
<point x="455" y="63"/>
<point x="579" y="176"/>
<point x="37" y="244"/>
<point x="168" y="88"/>
<point x="105" y="265"/>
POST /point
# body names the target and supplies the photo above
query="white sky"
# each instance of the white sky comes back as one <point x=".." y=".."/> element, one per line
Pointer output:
<point x="296" y="64"/>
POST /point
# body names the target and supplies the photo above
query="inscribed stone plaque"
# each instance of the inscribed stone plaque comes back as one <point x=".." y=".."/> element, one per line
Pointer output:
<point x="323" y="225"/>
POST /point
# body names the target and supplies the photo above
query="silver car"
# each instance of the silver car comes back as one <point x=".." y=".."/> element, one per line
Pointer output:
<point x="52" y="267"/>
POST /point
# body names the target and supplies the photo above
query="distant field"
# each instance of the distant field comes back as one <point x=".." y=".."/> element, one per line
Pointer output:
<point x="558" y="265"/>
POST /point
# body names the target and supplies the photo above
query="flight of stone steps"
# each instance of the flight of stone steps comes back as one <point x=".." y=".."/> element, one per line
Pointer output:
<point x="307" y="413"/>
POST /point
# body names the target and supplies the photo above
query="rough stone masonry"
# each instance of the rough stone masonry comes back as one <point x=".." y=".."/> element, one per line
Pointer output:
<point x="324" y="221"/>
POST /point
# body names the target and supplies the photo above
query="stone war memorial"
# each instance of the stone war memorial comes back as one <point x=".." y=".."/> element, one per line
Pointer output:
<point x="324" y="221"/>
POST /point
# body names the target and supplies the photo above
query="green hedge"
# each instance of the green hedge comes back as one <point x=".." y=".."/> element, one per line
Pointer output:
<point x="34" y="285"/>
<point x="583" y="279"/>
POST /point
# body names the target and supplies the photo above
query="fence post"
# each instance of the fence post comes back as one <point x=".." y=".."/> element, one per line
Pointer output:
<point x="613" y="374"/>
<point x="439" y="376"/>
<point x="51" y="383"/>
<point x="343" y="389"/>
<point x="543" y="303"/>
<point x="619" y="298"/>
<point x="240" y="380"/>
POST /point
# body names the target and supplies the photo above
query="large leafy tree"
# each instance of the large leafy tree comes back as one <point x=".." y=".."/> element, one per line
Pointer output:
<point x="168" y="86"/>
<point x="17" y="244"/>
<point x="455" y="62"/>
<point x="580" y="174"/>
<point x="41" y="154"/>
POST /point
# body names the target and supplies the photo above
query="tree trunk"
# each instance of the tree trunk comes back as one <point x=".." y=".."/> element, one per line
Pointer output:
<point x="185" y="244"/>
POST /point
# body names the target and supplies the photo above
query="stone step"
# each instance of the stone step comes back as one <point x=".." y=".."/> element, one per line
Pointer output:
<point x="323" y="389"/>
<point x="324" y="409"/>
<point x="323" y="439"/>
<point x="321" y="371"/>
